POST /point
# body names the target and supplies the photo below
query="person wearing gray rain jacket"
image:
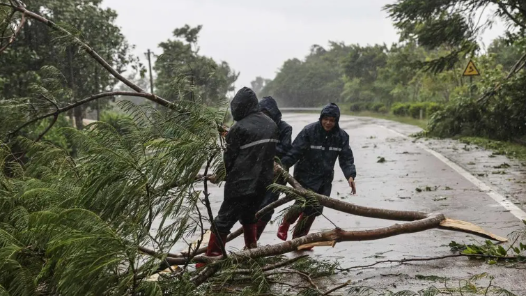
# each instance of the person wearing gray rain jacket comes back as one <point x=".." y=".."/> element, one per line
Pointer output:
<point x="249" y="164"/>
<point x="269" y="106"/>
<point x="314" y="152"/>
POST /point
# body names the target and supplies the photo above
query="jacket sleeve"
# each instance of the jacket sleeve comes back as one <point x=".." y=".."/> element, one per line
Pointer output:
<point x="346" y="159"/>
<point x="299" y="146"/>
<point x="233" y="144"/>
<point x="285" y="142"/>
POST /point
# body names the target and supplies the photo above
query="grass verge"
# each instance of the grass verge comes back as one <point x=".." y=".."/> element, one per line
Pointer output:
<point x="402" y="119"/>
<point x="511" y="150"/>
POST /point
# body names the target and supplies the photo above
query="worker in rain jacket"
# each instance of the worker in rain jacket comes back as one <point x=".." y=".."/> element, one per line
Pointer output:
<point x="249" y="164"/>
<point x="314" y="151"/>
<point x="269" y="106"/>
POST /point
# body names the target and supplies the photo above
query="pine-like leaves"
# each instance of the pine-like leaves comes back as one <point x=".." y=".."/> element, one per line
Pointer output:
<point x="73" y="225"/>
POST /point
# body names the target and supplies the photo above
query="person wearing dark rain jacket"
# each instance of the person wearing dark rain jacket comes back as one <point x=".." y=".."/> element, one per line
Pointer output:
<point x="249" y="164"/>
<point x="314" y="152"/>
<point x="269" y="106"/>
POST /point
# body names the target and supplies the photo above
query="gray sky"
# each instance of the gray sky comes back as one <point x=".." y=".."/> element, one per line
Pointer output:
<point x="256" y="37"/>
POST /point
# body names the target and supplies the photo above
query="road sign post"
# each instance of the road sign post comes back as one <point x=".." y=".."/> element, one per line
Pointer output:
<point x="471" y="70"/>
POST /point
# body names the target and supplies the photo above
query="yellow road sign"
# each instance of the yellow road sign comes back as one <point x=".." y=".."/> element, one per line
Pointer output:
<point x="471" y="70"/>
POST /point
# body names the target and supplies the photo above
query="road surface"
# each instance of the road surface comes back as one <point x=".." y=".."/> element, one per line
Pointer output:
<point x="463" y="186"/>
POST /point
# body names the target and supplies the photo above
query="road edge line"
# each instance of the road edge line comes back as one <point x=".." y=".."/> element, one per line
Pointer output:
<point x="506" y="203"/>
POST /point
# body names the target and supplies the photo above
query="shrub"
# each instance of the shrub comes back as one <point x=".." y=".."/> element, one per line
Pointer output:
<point x="432" y="108"/>
<point x="376" y="107"/>
<point x="400" y="109"/>
<point x="415" y="108"/>
<point x="383" y="109"/>
<point x="357" y="107"/>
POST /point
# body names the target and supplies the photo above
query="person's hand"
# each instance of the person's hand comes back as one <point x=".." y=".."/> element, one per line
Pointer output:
<point x="352" y="185"/>
<point x="213" y="179"/>
<point x="224" y="132"/>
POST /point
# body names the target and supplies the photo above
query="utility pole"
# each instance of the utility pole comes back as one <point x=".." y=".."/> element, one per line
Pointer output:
<point x="151" y="74"/>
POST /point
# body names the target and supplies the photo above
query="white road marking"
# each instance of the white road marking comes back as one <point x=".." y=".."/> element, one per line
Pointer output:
<point x="507" y="204"/>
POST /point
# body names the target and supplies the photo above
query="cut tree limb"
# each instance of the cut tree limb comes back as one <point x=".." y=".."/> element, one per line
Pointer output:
<point x="469" y="228"/>
<point x="417" y="221"/>
<point x="318" y="244"/>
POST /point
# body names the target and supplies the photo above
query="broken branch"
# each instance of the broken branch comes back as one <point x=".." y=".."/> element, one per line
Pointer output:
<point x="404" y="260"/>
<point x="15" y="34"/>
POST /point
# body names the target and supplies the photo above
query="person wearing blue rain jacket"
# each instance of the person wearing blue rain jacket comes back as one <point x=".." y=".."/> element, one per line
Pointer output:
<point x="269" y="107"/>
<point x="314" y="152"/>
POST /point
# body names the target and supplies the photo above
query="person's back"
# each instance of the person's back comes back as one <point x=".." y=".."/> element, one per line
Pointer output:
<point x="249" y="160"/>
<point x="249" y="164"/>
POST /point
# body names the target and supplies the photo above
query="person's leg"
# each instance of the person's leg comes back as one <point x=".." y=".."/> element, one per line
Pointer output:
<point x="224" y="221"/>
<point x="270" y="197"/>
<point x="312" y="210"/>
<point x="290" y="218"/>
<point x="248" y="219"/>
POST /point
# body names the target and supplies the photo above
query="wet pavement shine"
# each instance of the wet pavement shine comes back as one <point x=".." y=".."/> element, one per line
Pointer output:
<point x="411" y="178"/>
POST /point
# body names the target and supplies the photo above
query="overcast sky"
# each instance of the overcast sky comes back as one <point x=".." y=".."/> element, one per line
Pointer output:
<point x="256" y="37"/>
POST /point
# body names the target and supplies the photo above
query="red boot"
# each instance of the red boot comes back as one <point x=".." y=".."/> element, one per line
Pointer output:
<point x="250" y="234"/>
<point x="303" y="227"/>
<point x="289" y="218"/>
<point x="283" y="229"/>
<point x="214" y="247"/>
<point x="261" y="226"/>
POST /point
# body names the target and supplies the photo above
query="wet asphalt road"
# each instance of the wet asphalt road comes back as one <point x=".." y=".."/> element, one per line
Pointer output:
<point x="392" y="185"/>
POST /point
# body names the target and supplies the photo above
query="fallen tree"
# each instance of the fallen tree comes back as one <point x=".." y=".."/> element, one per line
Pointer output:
<point x="80" y="224"/>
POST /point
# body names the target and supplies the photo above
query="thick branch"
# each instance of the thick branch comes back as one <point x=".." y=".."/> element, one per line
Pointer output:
<point x="48" y="128"/>
<point x="273" y="205"/>
<point x="204" y="275"/>
<point x="433" y="221"/>
<point x="270" y="267"/>
<point x="337" y="288"/>
<point x="239" y="231"/>
<point x="349" y="207"/>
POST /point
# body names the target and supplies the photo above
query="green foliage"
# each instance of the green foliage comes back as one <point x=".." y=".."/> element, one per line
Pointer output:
<point x="512" y="150"/>
<point x="432" y="108"/>
<point x="73" y="225"/>
<point x="415" y="109"/>
<point x="119" y="121"/>
<point x="501" y="117"/>
<point x="400" y="109"/>
<point x="493" y="253"/>
<point x="38" y="46"/>
<point x="184" y="74"/>
<point x="310" y="83"/>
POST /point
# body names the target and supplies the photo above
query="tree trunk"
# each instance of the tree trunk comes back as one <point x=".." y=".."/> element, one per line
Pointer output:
<point x="78" y="117"/>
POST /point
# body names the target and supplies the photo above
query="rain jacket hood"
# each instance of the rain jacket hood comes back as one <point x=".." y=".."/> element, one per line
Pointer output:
<point x="331" y="110"/>
<point x="244" y="103"/>
<point x="269" y="104"/>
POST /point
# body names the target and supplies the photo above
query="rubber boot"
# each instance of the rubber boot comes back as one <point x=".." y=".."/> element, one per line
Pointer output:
<point x="303" y="227"/>
<point x="250" y="234"/>
<point x="214" y="247"/>
<point x="283" y="229"/>
<point x="261" y="226"/>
